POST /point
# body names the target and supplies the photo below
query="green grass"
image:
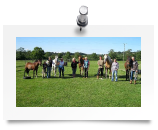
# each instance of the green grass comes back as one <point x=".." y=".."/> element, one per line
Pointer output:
<point x="76" y="92"/>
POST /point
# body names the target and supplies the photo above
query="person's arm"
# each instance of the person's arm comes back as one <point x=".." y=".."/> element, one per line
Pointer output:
<point x="136" y="66"/>
<point x="88" y="65"/>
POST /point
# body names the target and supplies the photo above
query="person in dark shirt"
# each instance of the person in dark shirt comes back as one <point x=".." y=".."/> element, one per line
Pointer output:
<point x="49" y="67"/>
<point x="44" y="70"/>
<point x="74" y="66"/>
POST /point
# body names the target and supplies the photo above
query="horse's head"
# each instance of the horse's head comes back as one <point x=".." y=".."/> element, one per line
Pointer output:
<point x="105" y="57"/>
<point x="129" y="62"/>
<point x="39" y="62"/>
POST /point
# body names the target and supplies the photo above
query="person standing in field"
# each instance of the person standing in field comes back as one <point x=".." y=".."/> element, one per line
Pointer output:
<point x="134" y="70"/>
<point x="74" y="66"/>
<point x="100" y="67"/>
<point x="86" y="67"/>
<point x="49" y="66"/>
<point x="114" y="69"/>
<point x="61" y="67"/>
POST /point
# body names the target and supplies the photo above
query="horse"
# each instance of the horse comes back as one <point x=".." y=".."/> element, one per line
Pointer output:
<point x="108" y="63"/>
<point x="32" y="66"/>
<point x="128" y="64"/>
<point x="54" y="65"/>
<point x="81" y="62"/>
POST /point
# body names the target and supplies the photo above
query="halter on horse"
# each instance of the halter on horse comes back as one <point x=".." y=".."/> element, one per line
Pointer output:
<point x="54" y="65"/>
<point x="128" y="64"/>
<point x="108" y="63"/>
<point x="81" y="62"/>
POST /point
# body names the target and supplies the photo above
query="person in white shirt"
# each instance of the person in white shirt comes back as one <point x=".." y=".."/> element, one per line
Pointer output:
<point x="61" y="67"/>
<point x="114" y="68"/>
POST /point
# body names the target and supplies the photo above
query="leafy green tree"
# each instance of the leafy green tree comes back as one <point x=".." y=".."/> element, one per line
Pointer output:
<point x="138" y="55"/>
<point x="28" y="55"/>
<point x="67" y="55"/>
<point x="94" y="56"/>
<point x="128" y="53"/>
<point x="112" y="54"/>
<point x="37" y="53"/>
<point x="20" y="54"/>
<point x="76" y="55"/>
<point x="47" y="54"/>
<point x="60" y="55"/>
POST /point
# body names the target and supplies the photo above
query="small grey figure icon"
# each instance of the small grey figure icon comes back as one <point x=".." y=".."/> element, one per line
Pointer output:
<point x="82" y="19"/>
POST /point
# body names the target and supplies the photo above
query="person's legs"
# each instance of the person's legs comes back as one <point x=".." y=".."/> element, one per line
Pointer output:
<point x="134" y="73"/>
<point x="59" y="72"/>
<point x="131" y="77"/>
<point x="50" y="71"/>
<point x="87" y="72"/>
<point x="42" y="73"/>
<point x="112" y="79"/>
<point x="115" y="75"/>
<point x="85" y="75"/>
<point x="101" y="72"/>
<point x="63" y="71"/>
<point x="74" y="72"/>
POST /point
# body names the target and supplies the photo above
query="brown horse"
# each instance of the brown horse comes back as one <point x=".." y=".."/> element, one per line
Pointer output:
<point x="32" y="66"/>
<point x="128" y="64"/>
<point x="81" y="62"/>
<point x="108" y="63"/>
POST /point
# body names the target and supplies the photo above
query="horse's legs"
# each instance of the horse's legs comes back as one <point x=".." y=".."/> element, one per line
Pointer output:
<point x="27" y="72"/>
<point x="55" y="70"/>
<point x="82" y="71"/>
<point x="109" y="73"/>
<point x="129" y="74"/>
<point x="106" y="72"/>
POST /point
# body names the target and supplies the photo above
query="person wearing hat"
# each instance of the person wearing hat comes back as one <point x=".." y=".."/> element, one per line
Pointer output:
<point x="61" y="67"/>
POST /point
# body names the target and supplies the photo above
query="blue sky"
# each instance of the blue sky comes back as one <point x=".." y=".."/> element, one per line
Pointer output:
<point x="99" y="45"/>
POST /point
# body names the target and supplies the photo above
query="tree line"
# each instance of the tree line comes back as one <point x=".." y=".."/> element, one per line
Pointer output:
<point x="38" y="53"/>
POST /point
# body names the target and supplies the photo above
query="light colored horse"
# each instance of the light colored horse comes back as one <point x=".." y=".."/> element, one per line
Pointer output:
<point x="54" y="65"/>
<point x="108" y="63"/>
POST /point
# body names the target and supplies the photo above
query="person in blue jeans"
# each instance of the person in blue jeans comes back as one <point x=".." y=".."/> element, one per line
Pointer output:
<point x="134" y="70"/>
<point x="49" y="67"/>
<point x="86" y="67"/>
<point x="114" y="69"/>
<point x="61" y="67"/>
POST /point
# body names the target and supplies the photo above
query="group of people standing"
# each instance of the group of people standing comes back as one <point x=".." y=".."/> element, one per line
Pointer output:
<point x="48" y="65"/>
<point x="115" y="67"/>
<point x="86" y="64"/>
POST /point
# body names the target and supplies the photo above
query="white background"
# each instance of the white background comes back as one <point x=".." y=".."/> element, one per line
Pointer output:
<point x="11" y="112"/>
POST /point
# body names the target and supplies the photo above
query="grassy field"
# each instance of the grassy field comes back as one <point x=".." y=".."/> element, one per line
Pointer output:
<point x="76" y="92"/>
